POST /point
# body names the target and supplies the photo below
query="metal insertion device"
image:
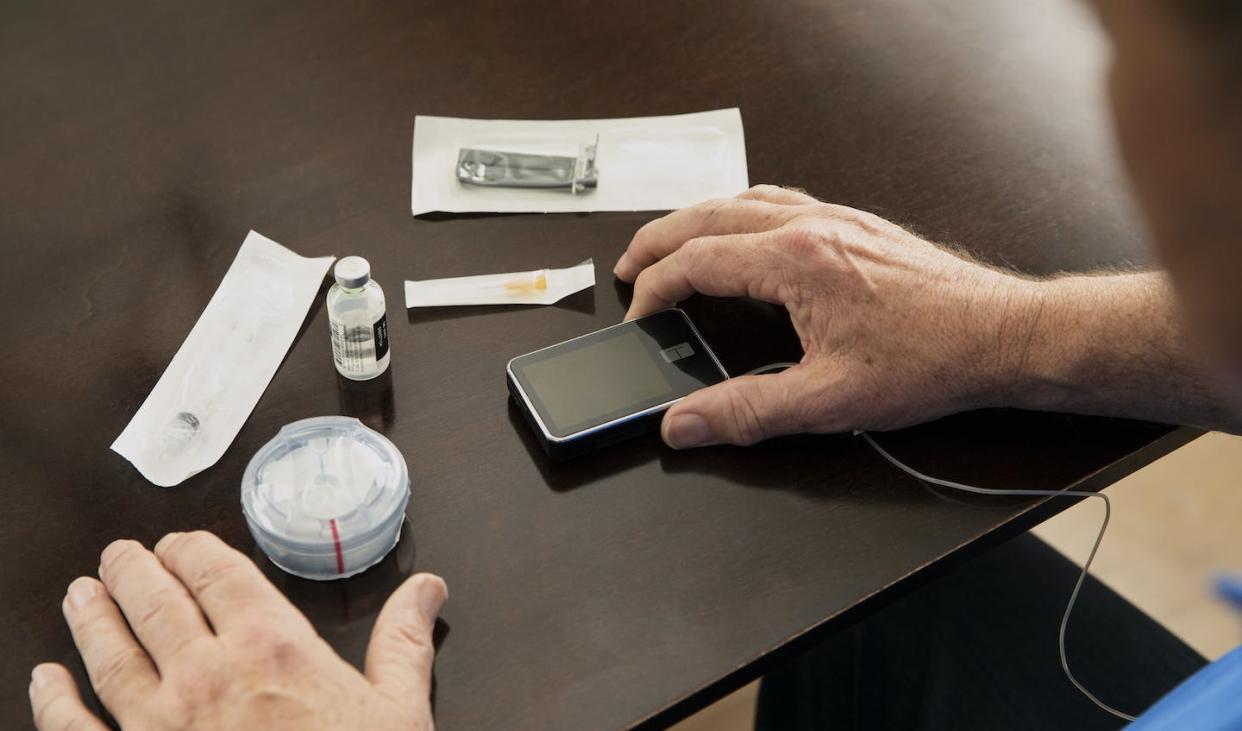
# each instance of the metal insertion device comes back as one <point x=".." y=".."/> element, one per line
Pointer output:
<point x="497" y="169"/>
<point x="612" y="384"/>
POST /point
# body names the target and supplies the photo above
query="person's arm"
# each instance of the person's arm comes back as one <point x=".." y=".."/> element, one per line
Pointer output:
<point x="1115" y="345"/>
<point x="897" y="331"/>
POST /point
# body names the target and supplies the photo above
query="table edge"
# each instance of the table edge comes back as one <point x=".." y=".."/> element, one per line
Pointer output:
<point x="1037" y="512"/>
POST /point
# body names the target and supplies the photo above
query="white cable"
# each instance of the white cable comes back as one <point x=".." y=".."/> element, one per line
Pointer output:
<point x="769" y="367"/>
<point x="1069" y="607"/>
<point x="1086" y="567"/>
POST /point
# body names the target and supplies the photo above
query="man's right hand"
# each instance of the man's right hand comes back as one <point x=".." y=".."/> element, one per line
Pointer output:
<point x="895" y="330"/>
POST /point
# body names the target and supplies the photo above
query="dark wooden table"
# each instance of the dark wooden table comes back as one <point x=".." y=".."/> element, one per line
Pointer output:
<point x="141" y="142"/>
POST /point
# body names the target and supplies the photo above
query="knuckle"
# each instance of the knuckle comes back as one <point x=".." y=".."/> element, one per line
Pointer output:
<point x="197" y="539"/>
<point x="644" y="233"/>
<point x="269" y="644"/>
<point x="120" y="551"/>
<point x="805" y="239"/>
<point x="158" y="604"/>
<point x="167" y="540"/>
<point x="643" y="281"/>
<point x="694" y="262"/>
<point x="78" y="723"/>
<point x="713" y="206"/>
<point x="43" y="711"/>
<point x="212" y="575"/>
<point x="696" y="249"/>
<point x="111" y="676"/>
<point x="750" y="428"/>
<point x="59" y="714"/>
<point x="414" y="638"/>
<point x="861" y="220"/>
<point x="869" y="222"/>
<point x="199" y="684"/>
<point x="184" y="544"/>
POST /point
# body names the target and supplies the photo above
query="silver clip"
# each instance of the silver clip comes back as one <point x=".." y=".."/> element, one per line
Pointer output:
<point x="496" y="169"/>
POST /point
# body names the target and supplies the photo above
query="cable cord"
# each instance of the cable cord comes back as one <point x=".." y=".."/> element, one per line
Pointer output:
<point x="769" y="367"/>
<point x="1082" y="577"/>
<point x="1086" y="567"/>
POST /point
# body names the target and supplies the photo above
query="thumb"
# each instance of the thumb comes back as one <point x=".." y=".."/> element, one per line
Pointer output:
<point x="400" y="655"/>
<point x="742" y="410"/>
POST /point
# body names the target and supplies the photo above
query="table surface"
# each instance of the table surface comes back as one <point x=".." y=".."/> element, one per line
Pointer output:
<point x="141" y="143"/>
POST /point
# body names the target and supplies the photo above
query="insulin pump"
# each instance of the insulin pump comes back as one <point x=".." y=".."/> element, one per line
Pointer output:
<point x="607" y="386"/>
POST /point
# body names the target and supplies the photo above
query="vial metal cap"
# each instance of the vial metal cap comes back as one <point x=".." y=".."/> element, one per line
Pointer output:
<point x="352" y="272"/>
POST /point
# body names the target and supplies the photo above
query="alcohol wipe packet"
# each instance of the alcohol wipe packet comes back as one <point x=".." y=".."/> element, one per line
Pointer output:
<point x="217" y="376"/>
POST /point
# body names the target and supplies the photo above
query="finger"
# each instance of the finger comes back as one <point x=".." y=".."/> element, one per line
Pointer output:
<point x="718" y="217"/>
<point x="120" y="671"/>
<point x="400" y="655"/>
<point x="56" y="704"/>
<point x="159" y="609"/>
<point x="777" y="194"/>
<point x="721" y="266"/>
<point x="227" y="586"/>
<point x="742" y="410"/>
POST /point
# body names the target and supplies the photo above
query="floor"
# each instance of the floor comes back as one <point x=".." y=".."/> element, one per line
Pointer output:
<point x="1176" y="524"/>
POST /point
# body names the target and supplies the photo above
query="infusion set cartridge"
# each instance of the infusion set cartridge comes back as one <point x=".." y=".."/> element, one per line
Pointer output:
<point x="497" y="169"/>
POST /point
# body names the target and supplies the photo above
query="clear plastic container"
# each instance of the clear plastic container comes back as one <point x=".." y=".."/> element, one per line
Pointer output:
<point x="325" y="498"/>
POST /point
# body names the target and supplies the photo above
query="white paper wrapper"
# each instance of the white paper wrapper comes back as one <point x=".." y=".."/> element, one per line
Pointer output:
<point x="645" y="163"/>
<point x="539" y="287"/>
<point x="223" y="367"/>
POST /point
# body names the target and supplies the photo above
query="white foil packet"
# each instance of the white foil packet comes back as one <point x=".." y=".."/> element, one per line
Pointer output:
<point x="217" y="376"/>
<point x="538" y="287"/>
<point x="644" y="163"/>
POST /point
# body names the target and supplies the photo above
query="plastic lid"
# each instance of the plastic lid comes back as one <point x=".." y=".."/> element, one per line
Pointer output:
<point x="326" y="497"/>
<point x="352" y="272"/>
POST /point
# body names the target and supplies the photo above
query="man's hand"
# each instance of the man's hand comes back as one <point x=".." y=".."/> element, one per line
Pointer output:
<point x="193" y="636"/>
<point x="895" y="330"/>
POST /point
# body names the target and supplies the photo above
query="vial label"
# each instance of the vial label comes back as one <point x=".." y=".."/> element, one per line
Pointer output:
<point x="381" y="337"/>
<point x="356" y="349"/>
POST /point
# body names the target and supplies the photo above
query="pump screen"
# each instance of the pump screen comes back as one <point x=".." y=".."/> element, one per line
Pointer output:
<point x="596" y="380"/>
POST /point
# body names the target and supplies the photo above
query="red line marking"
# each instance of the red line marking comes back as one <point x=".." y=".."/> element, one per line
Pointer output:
<point x="336" y="543"/>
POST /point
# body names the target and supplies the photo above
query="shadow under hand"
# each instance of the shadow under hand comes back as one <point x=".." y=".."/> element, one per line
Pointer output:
<point x="795" y="464"/>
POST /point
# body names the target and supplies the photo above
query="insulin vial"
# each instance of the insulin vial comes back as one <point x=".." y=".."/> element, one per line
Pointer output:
<point x="358" y="321"/>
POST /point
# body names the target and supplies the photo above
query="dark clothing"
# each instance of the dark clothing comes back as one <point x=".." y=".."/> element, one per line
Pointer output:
<point x="977" y="649"/>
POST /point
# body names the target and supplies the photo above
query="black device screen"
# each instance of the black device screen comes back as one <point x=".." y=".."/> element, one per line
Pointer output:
<point x="615" y="372"/>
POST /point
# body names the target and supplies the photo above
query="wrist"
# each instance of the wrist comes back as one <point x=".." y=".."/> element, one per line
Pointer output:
<point x="1076" y="340"/>
<point x="1046" y="344"/>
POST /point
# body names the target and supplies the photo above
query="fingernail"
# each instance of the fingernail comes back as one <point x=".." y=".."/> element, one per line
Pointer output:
<point x="687" y="430"/>
<point x="114" y="549"/>
<point x="39" y="678"/>
<point x="432" y="593"/>
<point x="81" y="591"/>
